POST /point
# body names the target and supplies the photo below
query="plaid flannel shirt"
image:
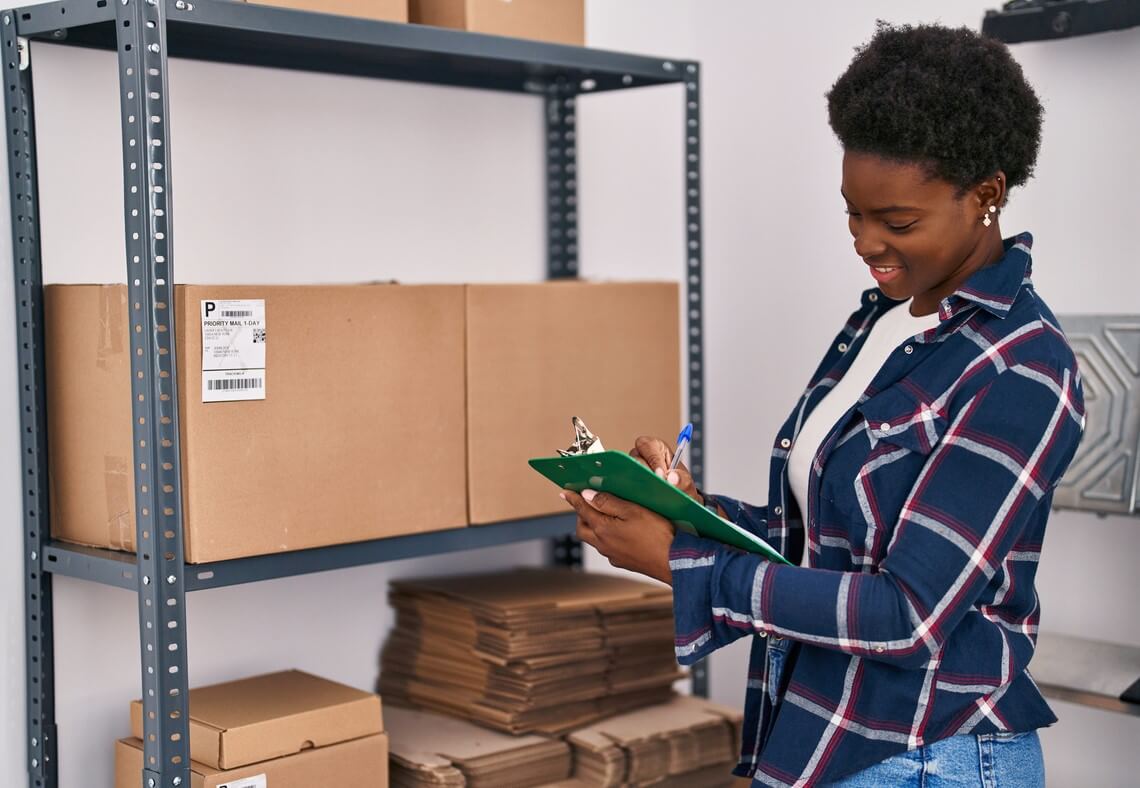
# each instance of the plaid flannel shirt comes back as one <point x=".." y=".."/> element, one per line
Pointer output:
<point x="917" y="616"/>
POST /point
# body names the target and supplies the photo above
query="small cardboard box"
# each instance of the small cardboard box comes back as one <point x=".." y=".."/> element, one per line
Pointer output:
<point x="556" y="21"/>
<point x="272" y="716"/>
<point x="538" y="354"/>
<point x="360" y="762"/>
<point x="360" y="434"/>
<point x="382" y="10"/>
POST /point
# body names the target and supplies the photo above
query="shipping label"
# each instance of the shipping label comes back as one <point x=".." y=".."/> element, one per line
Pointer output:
<point x="257" y="781"/>
<point x="233" y="354"/>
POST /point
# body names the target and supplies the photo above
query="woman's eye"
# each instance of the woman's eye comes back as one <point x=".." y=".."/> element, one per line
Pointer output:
<point x="900" y="227"/>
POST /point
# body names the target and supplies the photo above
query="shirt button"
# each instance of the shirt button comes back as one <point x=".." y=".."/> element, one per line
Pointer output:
<point x="785" y="443"/>
<point x="884" y="427"/>
<point x="778" y="510"/>
<point x="908" y="350"/>
<point x="762" y="633"/>
<point x="873" y="297"/>
<point x="842" y="347"/>
<point x="879" y="649"/>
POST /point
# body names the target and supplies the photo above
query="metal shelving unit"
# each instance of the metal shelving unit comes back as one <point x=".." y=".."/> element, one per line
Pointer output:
<point x="145" y="33"/>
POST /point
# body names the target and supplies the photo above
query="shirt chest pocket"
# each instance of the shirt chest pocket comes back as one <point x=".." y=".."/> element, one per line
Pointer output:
<point x="900" y="418"/>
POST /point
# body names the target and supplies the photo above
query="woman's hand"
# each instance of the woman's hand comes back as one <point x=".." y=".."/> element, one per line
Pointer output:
<point x="657" y="455"/>
<point x="630" y="536"/>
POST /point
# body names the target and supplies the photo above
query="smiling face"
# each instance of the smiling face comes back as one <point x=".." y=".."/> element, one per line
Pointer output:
<point x="918" y="236"/>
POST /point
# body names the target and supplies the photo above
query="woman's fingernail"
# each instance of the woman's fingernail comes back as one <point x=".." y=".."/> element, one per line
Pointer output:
<point x="661" y="472"/>
<point x="563" y="496"/>
<point x="674" y="477"/>
<point x="588" y="495"/>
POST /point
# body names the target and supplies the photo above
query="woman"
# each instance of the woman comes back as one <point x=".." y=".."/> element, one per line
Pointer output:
<point x="911" y="484"/>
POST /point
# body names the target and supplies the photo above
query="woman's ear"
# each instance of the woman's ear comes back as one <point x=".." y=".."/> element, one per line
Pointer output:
<point x="991" y="191"/>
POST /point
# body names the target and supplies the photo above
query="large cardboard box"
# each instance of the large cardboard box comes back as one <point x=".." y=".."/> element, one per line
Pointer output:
<point x="360" y="434"/>
<point x="383" y="10"/>
<point x="271" y="716"/>
<point x="557" y="21"/>
<point x="360" y="762"/>
<point x="538" y="354"/>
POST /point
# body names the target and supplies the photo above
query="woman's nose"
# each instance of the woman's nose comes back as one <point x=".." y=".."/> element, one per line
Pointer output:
<point x="868" y="244"/>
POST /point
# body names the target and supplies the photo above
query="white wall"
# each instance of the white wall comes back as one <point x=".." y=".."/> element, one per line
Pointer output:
<point x="292" y="177"/>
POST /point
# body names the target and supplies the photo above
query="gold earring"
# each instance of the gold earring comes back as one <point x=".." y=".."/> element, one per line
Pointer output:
<point x="986" y="218"/>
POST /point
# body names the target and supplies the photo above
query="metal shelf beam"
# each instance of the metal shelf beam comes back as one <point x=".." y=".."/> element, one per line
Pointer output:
<point x="261" y="35"/>
<point x="114" y="568"/>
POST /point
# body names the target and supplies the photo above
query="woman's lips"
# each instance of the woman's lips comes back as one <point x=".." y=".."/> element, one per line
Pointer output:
<point x="884" y="273"/>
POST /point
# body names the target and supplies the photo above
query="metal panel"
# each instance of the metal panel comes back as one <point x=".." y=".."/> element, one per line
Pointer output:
<point x="24" y="193"/>
<point x="258" y="34"/>
<point x="1089" y="672"/>
<point x="694" y="299"/>
<point x="154" y="392"/>
<point x="1104" y="477"/>
<point x="1045" y="20"/>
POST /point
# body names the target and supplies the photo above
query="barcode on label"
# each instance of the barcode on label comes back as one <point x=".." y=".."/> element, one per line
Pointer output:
<point x="234" y="384"/>
<point x="237" y="313"/>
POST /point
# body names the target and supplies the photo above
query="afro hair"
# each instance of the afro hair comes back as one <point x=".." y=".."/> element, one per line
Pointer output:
<point x="949" y="99"/>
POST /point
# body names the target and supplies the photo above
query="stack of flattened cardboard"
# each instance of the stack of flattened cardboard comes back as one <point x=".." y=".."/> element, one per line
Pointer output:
<point x="432" y="750"/>
<point x="684" y="742"/>
<point x="528" y="650"/>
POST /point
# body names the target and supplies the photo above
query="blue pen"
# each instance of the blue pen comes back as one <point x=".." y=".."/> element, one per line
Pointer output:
<point x="682" y="441"/>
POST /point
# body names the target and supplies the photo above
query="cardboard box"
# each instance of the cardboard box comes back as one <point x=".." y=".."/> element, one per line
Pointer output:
<point x="271" y="716"/>
<point x="557" y="21"/>
<point x="538" y="354"/>
<point x="433" y="750"/>
<point x="383" y="10"/>
<point x="360" y="436"/>
<point x="360" y="762"/>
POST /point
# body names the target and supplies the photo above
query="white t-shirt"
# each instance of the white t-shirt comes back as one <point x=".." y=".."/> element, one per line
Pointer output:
<point x="893" y="329"/>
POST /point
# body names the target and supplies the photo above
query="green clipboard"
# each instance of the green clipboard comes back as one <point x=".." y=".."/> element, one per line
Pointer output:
<point x="618" y="473"/>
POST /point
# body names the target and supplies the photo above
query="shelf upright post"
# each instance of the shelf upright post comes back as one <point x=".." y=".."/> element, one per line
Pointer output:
<point x="144" y="98"/>
<point x="24" y="193"/>
<point x="561" y="180"/>
<point x="562" y="223"/>
<point x="694" y="298"/>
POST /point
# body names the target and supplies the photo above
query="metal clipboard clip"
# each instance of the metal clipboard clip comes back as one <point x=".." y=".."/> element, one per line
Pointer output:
<point x="585" y="442"/>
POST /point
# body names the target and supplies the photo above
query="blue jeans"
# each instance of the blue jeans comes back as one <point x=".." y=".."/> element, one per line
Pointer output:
<point x="988" y="760"/>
